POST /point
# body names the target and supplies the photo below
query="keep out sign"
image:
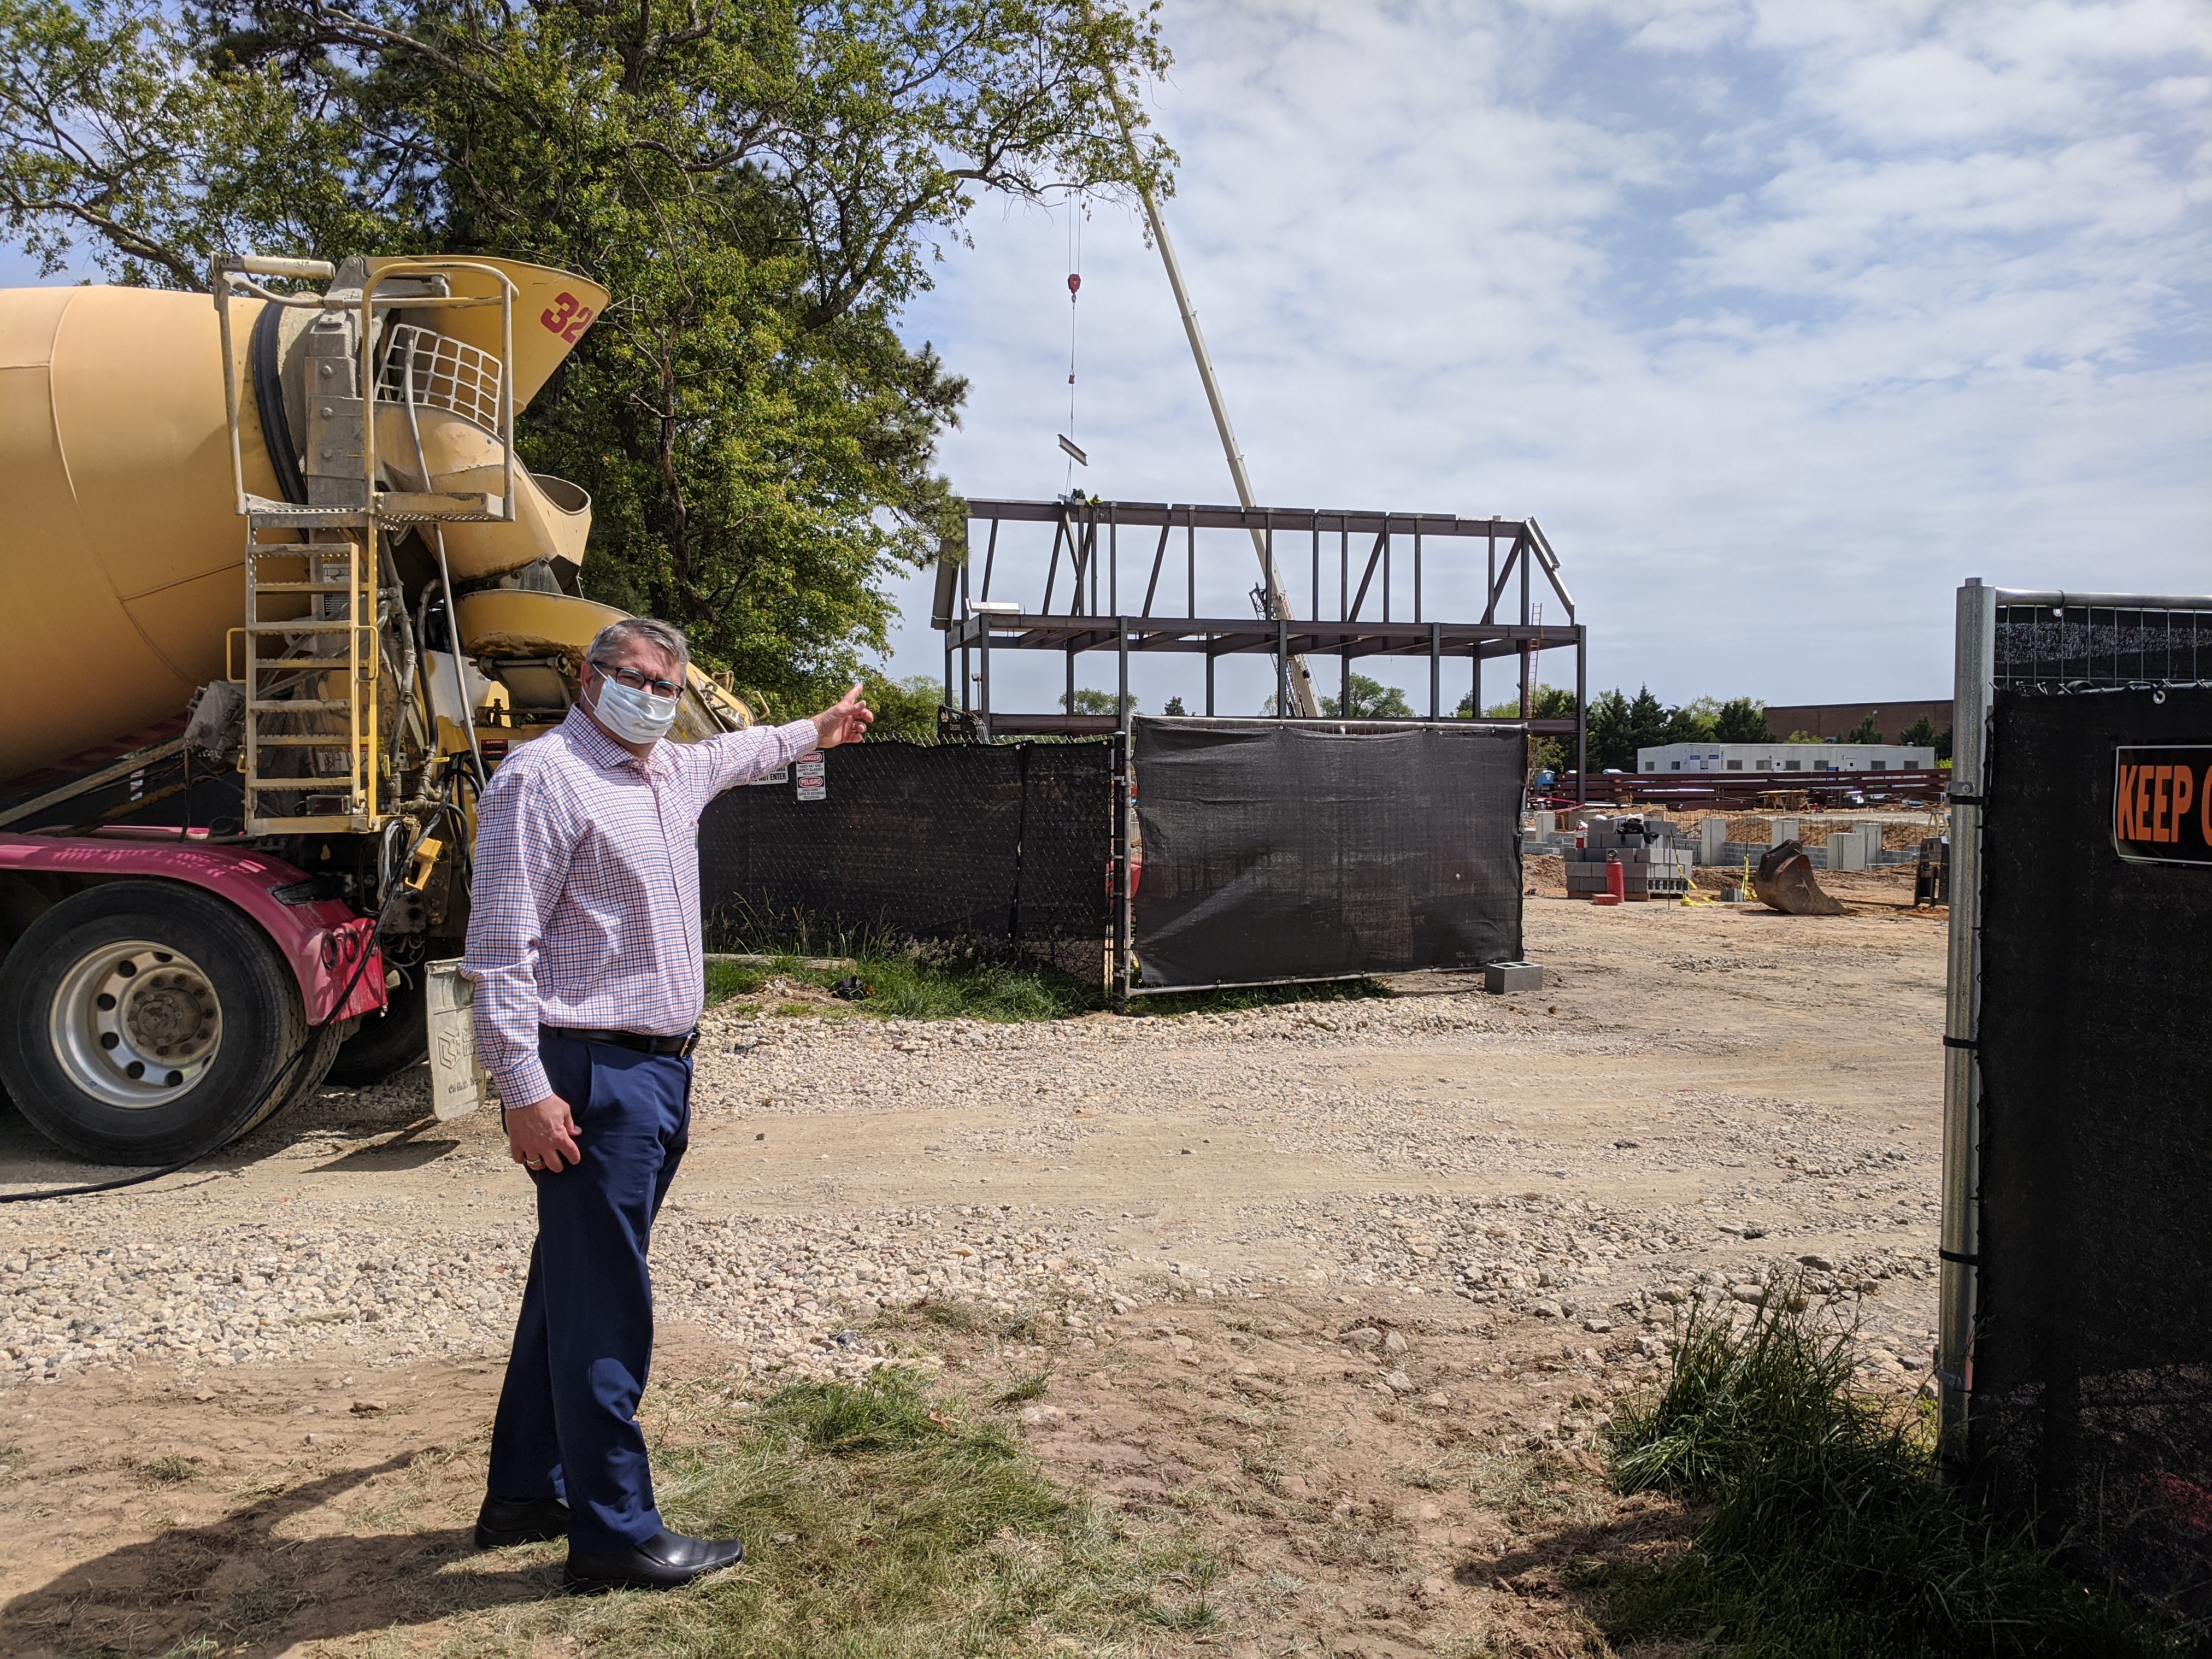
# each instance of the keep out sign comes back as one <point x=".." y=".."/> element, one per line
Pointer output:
<point x="2162" y="804"/>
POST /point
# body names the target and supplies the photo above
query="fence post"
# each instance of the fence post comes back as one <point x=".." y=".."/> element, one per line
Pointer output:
<point x="1974" y="671"/>
<point x="1120" y="981"/>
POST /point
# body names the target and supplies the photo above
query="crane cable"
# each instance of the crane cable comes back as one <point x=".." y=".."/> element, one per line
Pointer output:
<point x="1074" y="287"/>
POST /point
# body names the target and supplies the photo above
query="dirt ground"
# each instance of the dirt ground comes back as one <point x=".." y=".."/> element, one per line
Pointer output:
<point x="1350" y="1287"/>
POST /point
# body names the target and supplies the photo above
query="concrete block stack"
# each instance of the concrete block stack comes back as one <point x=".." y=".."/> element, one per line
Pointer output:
<point x="1652" y="865"/>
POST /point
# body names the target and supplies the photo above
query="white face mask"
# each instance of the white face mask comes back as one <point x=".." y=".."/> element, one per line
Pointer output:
<point x="634" y="716"/>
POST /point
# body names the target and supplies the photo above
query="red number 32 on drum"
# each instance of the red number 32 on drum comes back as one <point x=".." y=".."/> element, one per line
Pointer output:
<point x="567" y="316"/>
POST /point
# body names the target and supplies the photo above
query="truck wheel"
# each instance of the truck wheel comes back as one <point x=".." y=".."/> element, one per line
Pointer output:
<point x="142" y="1021"/>
<point x="388" y="1042"/>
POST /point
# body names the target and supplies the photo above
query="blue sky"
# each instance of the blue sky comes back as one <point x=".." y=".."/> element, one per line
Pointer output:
<point x="1781" y="318"/>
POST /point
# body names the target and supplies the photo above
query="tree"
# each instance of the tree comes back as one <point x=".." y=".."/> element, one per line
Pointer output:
<point x="1740" y="721"/>
<point x="1088" y="701"/>
<point x="1943" y="747"/>
<point x="1647" y="723"/>
<point x="762" y="189"/>
<point x="1609" y="730"/>
<point x="1372" y="699"/>
<point x="905" y="708"/>
<point x="1174" y="707"/>
<point x="1552" y="702"/>
<point x="1921" y="734"/>
<point x="1864" y="732"/>
<point x="1695" y="721"/>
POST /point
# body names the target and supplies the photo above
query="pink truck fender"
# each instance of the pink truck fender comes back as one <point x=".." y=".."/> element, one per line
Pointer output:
<point x="321" y="939"/>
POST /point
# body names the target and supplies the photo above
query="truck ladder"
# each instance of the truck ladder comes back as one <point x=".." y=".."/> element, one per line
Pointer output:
<point x="310" y="680"/>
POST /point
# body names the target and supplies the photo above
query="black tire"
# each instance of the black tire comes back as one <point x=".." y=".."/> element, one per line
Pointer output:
<point x="189" y="983"/>
<point x="388" y="1042"/>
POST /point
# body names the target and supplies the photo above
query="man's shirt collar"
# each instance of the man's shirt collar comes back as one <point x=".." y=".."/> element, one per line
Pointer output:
<point x="603" y="751"/>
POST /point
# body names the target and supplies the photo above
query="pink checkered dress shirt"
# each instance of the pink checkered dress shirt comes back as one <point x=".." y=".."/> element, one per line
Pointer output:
<point x="585" y="908"/>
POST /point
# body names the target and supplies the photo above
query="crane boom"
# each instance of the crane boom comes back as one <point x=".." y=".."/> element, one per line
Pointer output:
<point x="1302" y="699"/>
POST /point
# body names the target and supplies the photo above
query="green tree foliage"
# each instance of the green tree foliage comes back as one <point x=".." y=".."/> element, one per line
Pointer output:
<point x="905" y="708"/>
<point x="1174" y="707"/>
<point x="1611" y="746"/>
<point x="1921" y="734"/>
<point x="1740" y="719"/>
<point x="1088" y="701"/>
<point x="1943" y="747"/>
<point x="1371" y="700"/>
<point x="1865" y="731"/>
<point x="761" y="187"/>
<point x="1619" y="726"/>
<point x="1552" y="702"/>
<point x="1647" y="722"/>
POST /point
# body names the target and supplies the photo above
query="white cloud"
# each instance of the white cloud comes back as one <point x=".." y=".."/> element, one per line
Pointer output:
<point x="1783" y="318"/>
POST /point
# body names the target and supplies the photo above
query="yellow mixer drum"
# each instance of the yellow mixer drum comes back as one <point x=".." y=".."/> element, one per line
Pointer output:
<point x="120" y="544"/>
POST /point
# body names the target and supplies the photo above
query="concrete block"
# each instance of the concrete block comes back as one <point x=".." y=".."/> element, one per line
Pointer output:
<point x="1547" y="824"/>
<point x="1782" y="830"/>
<point x="1499" y="977"/>
<point x="1712" y="837"/>
<point x="1847" y="851"/>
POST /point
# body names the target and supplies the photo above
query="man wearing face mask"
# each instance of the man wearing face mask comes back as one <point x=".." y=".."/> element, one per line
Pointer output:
<point x="584" y="945"/>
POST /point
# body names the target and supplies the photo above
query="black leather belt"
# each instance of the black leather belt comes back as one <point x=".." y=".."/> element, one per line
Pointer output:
<point x="677" y="1046"/>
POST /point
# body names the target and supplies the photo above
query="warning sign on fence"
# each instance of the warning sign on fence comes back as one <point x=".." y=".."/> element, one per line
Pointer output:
<point x="2162" y="804"/>
<point x="813" y="779"/>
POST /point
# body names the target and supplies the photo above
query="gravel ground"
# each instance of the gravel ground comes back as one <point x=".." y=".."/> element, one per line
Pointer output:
<point x="1696" y="1100"/>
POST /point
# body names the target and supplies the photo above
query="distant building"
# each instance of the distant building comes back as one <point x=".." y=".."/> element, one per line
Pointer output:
<point x="1833" y="719"/>
<point x="1783" y="757"/>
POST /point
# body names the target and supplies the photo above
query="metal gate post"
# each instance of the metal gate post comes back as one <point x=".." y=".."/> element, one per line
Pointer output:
<point x="1974" y="675"/>
<point x="1121" y="871"/>
<point x="1582" y="714"/>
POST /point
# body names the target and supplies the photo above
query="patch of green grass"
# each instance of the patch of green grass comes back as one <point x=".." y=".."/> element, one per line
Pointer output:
<point x="173" y="1467"/>
<point x="1256" y="996"/>
<point x="1030" y="1385"/>
<point x="1833" y="1532"/>
<point x="918" y="983"/>
<point x="881" y="1522"/>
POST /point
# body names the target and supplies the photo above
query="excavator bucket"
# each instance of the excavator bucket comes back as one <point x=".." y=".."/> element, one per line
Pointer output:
<point x="1783" y="880"/>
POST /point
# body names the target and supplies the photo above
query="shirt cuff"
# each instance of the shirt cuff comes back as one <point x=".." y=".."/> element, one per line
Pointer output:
<point x="522" y="1084"/>
<point x="803" y="736"/>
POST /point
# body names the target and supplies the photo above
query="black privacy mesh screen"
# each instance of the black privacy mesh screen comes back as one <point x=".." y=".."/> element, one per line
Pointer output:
<point x="2082" y="646"/>
<point x="993" y="845"/>
<point x="1274" y="851"/>
<point x="2092" y="1403"/>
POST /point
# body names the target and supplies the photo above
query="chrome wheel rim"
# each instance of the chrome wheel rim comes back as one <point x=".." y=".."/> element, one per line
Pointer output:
<point x="136" y="1024"/>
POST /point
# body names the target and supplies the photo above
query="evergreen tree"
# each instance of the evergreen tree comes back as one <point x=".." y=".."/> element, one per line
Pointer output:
<point x="1740" y="721"/>
<point x="1864" y="732"/>
<point x="1921" y="734"/>
<point x="1610" y="741"/>
<point x="1647" y="724"/>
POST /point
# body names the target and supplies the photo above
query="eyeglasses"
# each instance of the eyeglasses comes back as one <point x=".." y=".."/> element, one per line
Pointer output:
<point x="637" y="682"/>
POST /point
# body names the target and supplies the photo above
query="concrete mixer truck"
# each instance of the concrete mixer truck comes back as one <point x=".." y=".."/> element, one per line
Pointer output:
<point x="278" y="594"/>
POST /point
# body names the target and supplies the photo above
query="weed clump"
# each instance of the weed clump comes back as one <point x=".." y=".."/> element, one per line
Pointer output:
<point x="1832" y="1531"/>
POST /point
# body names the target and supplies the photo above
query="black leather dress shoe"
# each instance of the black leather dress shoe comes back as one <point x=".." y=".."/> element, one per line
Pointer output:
<point x="505" y="1521"/>
<point x="661" y="1562"/>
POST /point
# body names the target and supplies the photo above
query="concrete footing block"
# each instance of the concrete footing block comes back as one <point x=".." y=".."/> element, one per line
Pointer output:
<point x="1498" y="977"/>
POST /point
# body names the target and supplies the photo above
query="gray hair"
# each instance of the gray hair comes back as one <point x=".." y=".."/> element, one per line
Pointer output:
<point x="665" y="637"/>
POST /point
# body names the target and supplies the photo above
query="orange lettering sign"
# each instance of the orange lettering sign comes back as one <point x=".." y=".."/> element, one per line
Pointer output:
<point x="2162" y="804"/>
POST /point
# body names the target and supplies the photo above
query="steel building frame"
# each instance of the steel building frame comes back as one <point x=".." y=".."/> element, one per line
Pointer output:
<point x="1378" y="555"/>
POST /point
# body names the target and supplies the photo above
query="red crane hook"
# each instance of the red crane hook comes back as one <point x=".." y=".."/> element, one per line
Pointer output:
<point x="1074" y="282"/>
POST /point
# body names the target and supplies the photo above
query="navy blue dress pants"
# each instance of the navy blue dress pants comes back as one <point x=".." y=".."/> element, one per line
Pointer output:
<point x="567" y="1427"/>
